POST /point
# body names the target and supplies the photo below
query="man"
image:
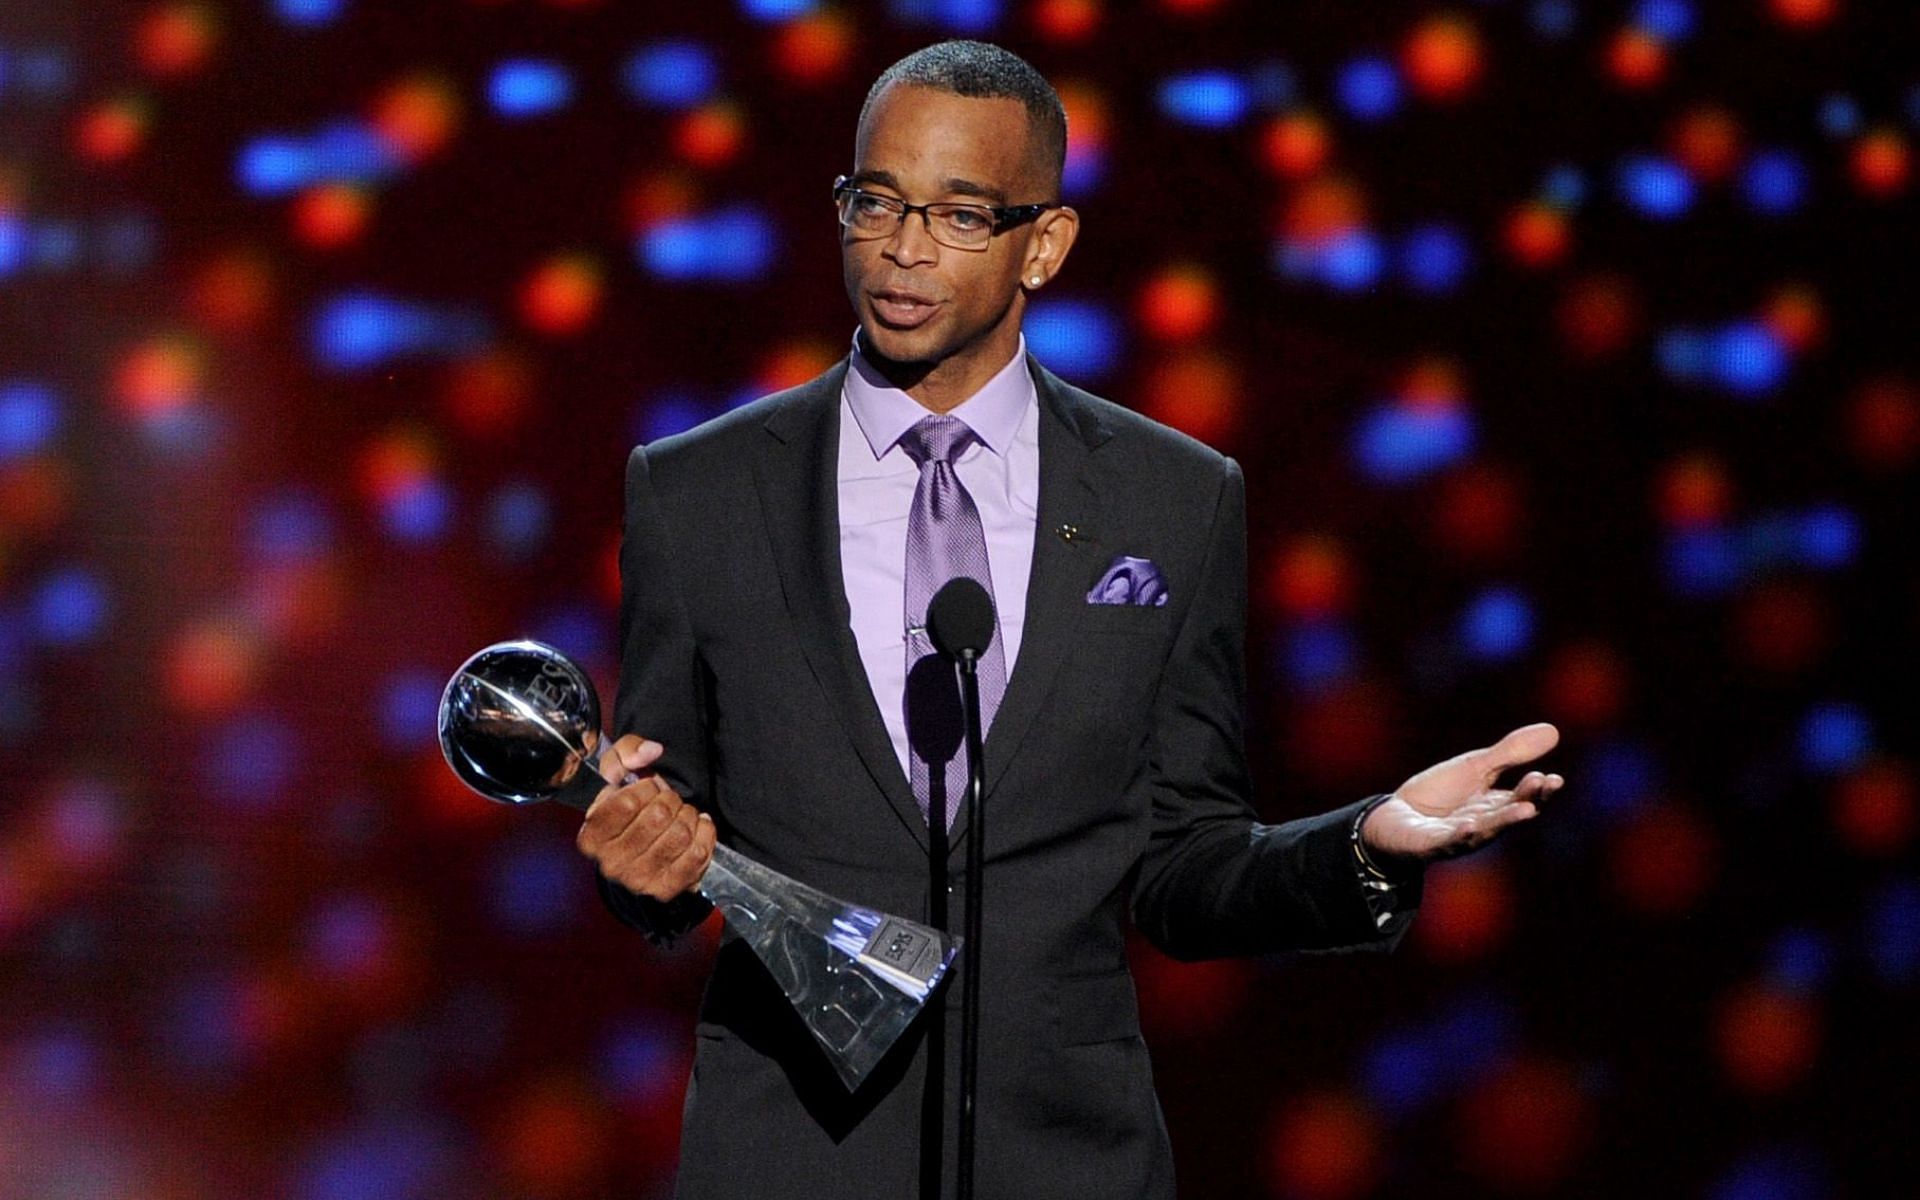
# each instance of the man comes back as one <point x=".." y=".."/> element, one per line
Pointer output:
<point x="776" y="567"/>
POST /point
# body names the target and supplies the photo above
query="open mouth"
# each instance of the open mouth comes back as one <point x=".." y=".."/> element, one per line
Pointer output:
<point x="902" y="310"/>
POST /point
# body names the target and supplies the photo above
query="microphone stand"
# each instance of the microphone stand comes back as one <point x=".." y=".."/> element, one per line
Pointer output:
<point x="969" y="661"/>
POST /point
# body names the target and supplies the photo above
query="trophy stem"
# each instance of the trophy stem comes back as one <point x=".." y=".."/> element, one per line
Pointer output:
<point x="856" y="976"/>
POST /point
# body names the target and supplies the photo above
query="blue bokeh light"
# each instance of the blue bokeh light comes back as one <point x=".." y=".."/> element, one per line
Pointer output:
<point x="1353" y="260"/>
<point x="29" y="417"/>
<point x="419" y="512"/>
<point x="671" y="75"/>
<point x="250" y="762"/>
<point x="1893" y="933"/>
<point x="410" y="708"/>
<point x="1749" y="359"/>
<point x="1800" y="960"/>
<point x="1703" y="562"/>
<point x="535" y="887"/>
<point x="1399" y="443"/>
<point x="70" y="607"/>
<point x="1207" y="99"/>
<point x="1656" y="186"/>
<point x="1435" y="258"/>
<point x="1317" y="654"/>
<point x="1369" y="88"/>
<point x="777" y="10"/>
<point x="290" y="526"/>
<point x="1497" y="625"/>
<point x="1775" y="182"/>
<point x="1668" y="20"/>
<point x="1834" y="737"/>
<point x="1081" y="336"/>
<point x="517" y="520"/>
<point x="728" y="246"/>
<point x="309" y="14"/>
<point x="527" y="87"/>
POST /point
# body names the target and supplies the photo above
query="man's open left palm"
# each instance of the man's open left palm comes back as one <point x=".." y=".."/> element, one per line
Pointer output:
<point x="1455" y="807"/>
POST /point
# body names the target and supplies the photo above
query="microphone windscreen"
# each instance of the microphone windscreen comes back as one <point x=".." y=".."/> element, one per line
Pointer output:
<point x="960" y="618"/>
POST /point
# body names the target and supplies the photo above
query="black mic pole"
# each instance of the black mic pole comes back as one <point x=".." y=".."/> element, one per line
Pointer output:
<point x="960" y="623"/>
<point x="970" y="993"/>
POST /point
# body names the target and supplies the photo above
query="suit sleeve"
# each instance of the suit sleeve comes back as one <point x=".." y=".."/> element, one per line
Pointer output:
<point x="1214" y="881"/>
<point x="661" y="694"/>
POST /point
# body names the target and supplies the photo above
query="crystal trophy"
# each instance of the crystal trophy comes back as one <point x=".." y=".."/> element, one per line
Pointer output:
<point x="520" y="721"/>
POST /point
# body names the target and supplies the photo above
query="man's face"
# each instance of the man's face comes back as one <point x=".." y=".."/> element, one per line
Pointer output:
<point x="917" y="300"/>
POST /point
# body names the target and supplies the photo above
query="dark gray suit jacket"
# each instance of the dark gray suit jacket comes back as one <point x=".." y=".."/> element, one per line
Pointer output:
<point x="1115" y="782"/>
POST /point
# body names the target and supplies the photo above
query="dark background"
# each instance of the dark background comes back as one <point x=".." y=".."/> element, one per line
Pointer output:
<point x="1573" y="377"/>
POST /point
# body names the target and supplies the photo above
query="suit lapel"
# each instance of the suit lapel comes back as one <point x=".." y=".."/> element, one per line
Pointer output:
<point x="797" y="472"/>
<point x="1070" y="430"/>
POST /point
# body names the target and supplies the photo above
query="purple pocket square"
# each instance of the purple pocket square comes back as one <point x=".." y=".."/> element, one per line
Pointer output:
<point x="1130" y="580"/>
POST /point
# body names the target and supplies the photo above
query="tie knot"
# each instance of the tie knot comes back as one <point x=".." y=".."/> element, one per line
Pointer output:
<point x="937" y="438"/>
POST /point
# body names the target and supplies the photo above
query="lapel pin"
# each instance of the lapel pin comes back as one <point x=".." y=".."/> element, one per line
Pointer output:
<point x="1071" y="533"/>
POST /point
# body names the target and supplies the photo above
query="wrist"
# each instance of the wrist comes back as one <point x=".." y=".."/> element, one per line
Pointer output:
<point x="1377" y="866"/>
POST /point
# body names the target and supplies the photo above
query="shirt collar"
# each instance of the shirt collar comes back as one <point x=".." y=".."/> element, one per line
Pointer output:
<point x="884" y="412"/>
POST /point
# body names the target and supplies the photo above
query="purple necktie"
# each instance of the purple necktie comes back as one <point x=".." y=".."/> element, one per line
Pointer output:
<point x="944" y="541"/>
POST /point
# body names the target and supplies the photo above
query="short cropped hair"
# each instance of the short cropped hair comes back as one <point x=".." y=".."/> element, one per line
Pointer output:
<point x="983" y="71"/>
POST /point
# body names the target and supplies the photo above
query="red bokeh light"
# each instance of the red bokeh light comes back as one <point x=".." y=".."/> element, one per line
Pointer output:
<point x="1636" y="59"/>
<point x="553" y="1137"/>
<point x="1198" y="393"/>
<point x="1180" y="1000"/>
<point x="1585" y="685"/>
<point x="562" y="296"/>
<point x="1467" y="911"/>
<point x="174" y="39"/>
<point x="1804" y="14"/>
<point x="1795" y="315"/>
<point x="232" y="291"/>
<point x="1536" y="235"/>
<point x="1599" y="316"/>
<point x="487" y="396"/>
<point x="1883" y="423"/>
<point x="1663" y="860"/>
<point x="1442" y="58"/>
<point x="813" y="49"/>
<point x="1179" y="303"/>
<point x="159" y="376"/>
<point x="111" y="131"/>
<point x="1067" y="20"/>
<point x="1323" y="1147"/>
<point x="1880" y="164"/>
<point x="1766" y="1039"/>
<point x="1339" y="738"/>
<point x="418" y="115"/>
<point x="1479" y="513"/>
<point x="1873" y="809"/>
<point x="330" y="215"/>
<point x="712" y="135"/>
<point x="1311" y="577"/>
<point x="36" y="495"/>
<point x="211" y="666"/>
<point x="1693" y="492"/>
<point x="1782" y="627"/>
<point x="662" y="196"/>
<point x="1524" y="1127"/>
<point x="1707" y="141"/>
<point x="1297" y="144"/>
<point x="793" y="364"/>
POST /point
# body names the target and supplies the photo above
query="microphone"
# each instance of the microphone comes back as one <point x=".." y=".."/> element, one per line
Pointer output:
<point x="960" y="619"/>
<point x="960" y="625"/>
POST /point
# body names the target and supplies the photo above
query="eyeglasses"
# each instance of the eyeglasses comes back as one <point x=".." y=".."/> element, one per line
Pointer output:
<point x="962" y="226"/>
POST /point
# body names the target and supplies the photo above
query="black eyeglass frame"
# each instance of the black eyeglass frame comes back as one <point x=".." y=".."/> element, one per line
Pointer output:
<point x="1004" y="216"/>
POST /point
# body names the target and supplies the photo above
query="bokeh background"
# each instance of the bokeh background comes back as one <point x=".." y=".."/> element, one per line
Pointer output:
<point x="1569" y="349"/>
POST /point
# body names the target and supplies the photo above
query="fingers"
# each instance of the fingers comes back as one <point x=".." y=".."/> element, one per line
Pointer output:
<point x="628" y="755"/>
<point x="644" y="837"/>
<point x="1523" y="745"/>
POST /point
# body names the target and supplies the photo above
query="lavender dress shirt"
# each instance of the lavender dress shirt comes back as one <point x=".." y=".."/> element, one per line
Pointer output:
<point x="876" y="481"/>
